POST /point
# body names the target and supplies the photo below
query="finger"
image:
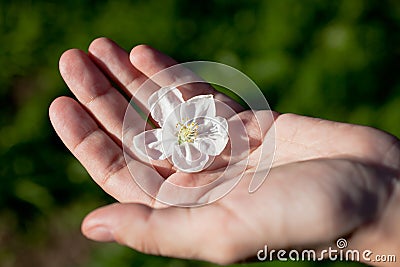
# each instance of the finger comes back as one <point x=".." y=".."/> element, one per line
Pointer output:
<point x="104" y="102"/>
<point x="114" y="61"/>
<point x="97" y="152"/>
<point x="149" y="61"/>
<point x="96" y="93"/>
<point x="173" y="232"/>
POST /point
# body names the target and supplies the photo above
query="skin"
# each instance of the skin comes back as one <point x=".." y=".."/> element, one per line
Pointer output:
<point x="328" y="179"/>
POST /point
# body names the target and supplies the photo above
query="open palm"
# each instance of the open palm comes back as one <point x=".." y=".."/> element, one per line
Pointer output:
<point x="327" y="179"/>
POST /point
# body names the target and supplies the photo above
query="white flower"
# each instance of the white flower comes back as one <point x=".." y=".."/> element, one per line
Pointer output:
<point x="190" y="130"/>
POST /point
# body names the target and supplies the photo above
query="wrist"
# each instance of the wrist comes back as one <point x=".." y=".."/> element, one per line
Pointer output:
<point x="380" y="239"/>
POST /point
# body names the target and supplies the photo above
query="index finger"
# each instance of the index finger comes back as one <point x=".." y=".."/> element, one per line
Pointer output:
<point x="152" y="62"/>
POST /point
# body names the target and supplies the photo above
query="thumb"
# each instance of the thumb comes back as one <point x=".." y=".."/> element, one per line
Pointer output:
<point x="174" y="232"/>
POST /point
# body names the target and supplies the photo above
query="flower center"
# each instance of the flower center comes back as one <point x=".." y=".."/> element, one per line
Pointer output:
<point x="187" y="132"/>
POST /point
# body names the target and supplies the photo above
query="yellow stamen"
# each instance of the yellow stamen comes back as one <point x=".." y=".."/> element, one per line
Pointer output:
<point x="187" y="132"/>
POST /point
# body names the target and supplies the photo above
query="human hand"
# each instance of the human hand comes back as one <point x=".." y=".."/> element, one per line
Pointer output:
<point x="327" y="180"/>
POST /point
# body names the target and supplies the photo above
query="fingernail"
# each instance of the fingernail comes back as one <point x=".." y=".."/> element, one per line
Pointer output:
<point x="99" y="233"/>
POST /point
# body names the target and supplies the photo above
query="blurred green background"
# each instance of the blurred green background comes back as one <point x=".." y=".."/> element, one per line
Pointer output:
<point x="337" y="60"/>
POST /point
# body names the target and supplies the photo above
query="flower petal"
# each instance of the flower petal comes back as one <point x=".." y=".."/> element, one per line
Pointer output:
<point x="163" y="102"/>
<point x="212" y="135"/>
<point x="169" y="140"/>
<point x="198" y="106"/>
<point x="151" y="144"/>
<point x="188" y="158"/>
